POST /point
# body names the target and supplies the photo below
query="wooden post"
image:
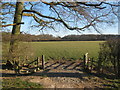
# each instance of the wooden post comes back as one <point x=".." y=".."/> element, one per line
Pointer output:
<point x="43" y="62"/>
<point x="84" y="61"/>
<point x="37" y="61"/>
<point x="92" y="63"/>
<point x="38" y="68"/>
<point x="89" y="61"/>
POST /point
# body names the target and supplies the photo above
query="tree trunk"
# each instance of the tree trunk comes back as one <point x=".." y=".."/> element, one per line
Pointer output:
<point x="15" y="32"/>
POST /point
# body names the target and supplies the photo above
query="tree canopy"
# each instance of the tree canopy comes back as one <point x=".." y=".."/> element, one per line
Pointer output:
<point x="70" y="15"/>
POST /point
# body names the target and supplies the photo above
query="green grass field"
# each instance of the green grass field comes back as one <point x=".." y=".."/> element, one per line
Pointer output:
<point x="61" y="50"/>
<point x="65" y="49"/>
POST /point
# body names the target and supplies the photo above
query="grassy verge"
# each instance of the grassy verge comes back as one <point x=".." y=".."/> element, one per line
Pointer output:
<point x="18" y="83"/>
<point x="113" y="83"/>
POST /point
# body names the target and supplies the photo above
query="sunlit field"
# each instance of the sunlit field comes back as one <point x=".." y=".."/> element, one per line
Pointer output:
<point x="65" y="49"/>
<point x="58" y="50"/>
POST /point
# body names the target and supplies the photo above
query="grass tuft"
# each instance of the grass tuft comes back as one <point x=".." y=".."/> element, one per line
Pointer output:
<point x="18" y="83"/>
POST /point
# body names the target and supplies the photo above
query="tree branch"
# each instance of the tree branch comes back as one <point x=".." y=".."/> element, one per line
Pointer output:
<point x="3" y="4"/>
<point x="60" y="20"/>
<point x="33" y="11"/>
<point x="75" y="4"/>
<point x="12" y="24"/>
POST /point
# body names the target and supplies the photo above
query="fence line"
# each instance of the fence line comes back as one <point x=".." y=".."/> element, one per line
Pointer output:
<point x="88" y="63"/>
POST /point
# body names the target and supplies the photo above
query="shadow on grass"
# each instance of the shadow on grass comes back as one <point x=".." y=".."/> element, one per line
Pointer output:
<point x="49" y="74"/>
<point x="103" y="76"/>
<point x="109" y="85"/>
<point x="46" y="72"/>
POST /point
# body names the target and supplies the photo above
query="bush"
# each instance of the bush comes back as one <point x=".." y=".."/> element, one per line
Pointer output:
<point x="109" y="55"/>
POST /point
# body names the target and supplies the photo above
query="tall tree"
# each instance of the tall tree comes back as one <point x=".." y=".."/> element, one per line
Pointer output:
<point x="16" y="28"/>
<point x="14" y="43"/>
<point x="78" y="16"/>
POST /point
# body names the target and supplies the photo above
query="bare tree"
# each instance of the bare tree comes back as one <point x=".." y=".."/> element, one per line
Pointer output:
<point x="73" y="15"/>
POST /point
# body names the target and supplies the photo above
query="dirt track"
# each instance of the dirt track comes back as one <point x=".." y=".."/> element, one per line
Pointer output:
<point x="65" y="74"/>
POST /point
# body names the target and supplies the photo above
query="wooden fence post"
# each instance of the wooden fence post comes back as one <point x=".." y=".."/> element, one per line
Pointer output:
<point x="92" y="63"/>
<point x="84" y="61"/>
<point x="89" y="62"/>
<point x="37" y="64"/>
<point x="43" y="62"/>
<point x="37" y="61"/>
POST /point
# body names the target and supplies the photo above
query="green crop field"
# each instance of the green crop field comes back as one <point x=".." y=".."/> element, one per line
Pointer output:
<point x="58" y="50"/>
<point x="65" y="49"/>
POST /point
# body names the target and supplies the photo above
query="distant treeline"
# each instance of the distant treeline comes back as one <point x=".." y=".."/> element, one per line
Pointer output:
<point x="6" y="36"/>
<point x="91" y="37"/>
